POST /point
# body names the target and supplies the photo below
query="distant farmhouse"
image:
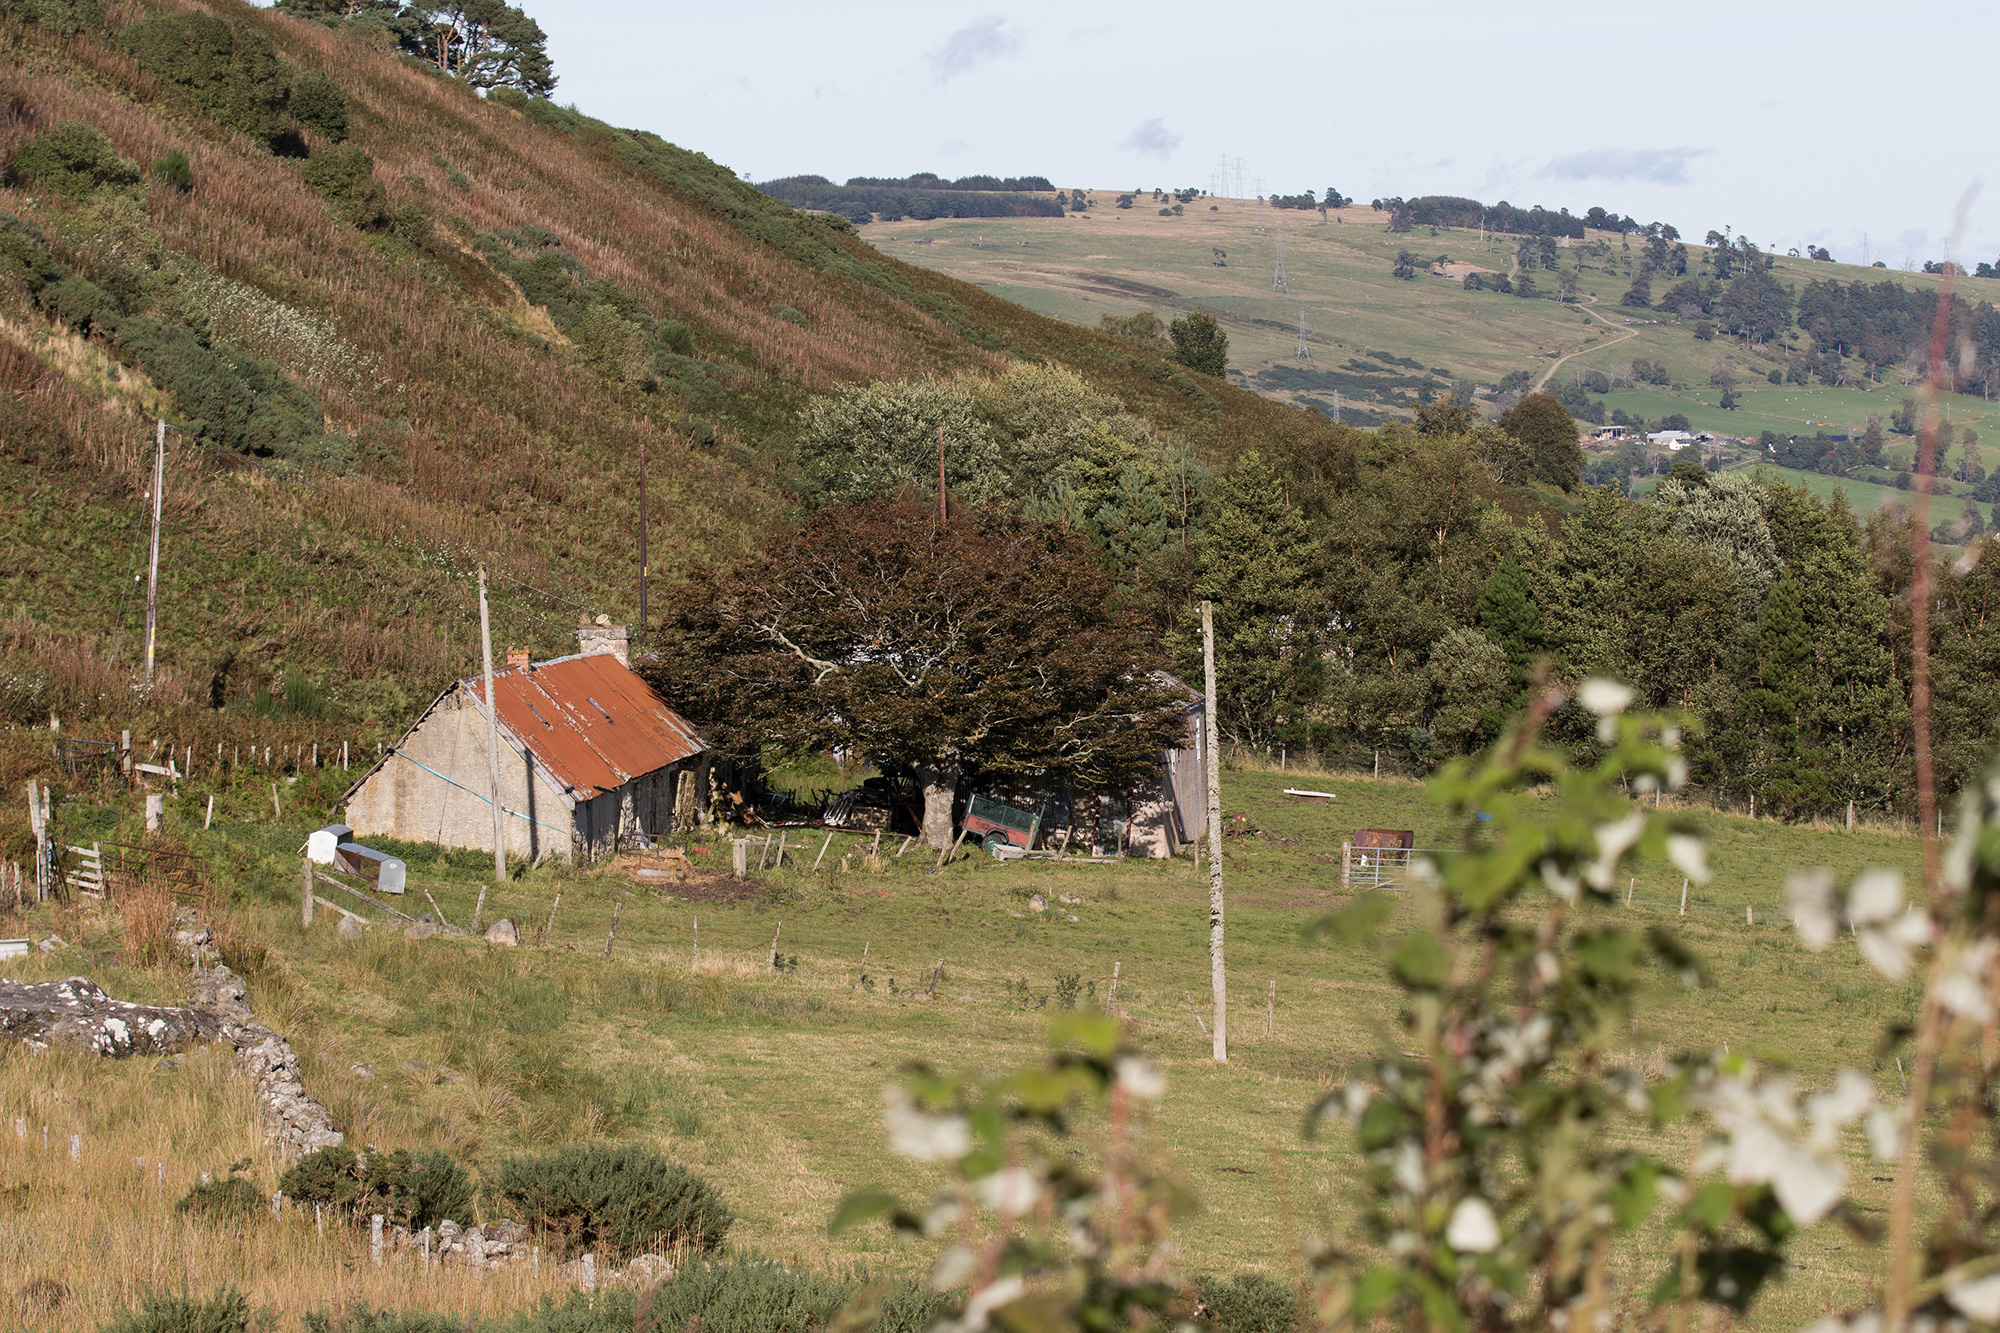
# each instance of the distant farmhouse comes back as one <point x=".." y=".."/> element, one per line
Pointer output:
<point x="589" y="755"/>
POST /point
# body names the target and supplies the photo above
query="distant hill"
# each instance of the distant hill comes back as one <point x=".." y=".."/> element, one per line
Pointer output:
<point x="922" y="196"/>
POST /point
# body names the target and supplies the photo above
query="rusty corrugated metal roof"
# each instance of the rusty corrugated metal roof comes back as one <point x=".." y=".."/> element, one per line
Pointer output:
<point x="591" y="721"/>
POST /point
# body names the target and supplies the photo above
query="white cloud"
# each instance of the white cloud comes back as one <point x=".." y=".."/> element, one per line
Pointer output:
<point x="980" y="42"/>
<point x="1659" y="166"/>
<point x="1153" y="137"/>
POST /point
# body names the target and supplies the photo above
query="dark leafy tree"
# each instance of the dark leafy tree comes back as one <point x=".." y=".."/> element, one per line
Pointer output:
<point x="1200" y="344"/>
<point x="1547" y="434"/>
<point x="1640" y="294"/>
<point x="941" y="651"/>
<point x="73" y="159"/>
<point x="487" y="43"/>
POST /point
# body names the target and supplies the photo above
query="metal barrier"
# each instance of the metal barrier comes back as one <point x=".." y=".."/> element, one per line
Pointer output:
<point x="1381" y="867"/>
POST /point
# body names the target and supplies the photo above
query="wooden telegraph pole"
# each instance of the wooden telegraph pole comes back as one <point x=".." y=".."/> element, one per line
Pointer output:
<point x="642" y="536"/>
<point x="153" y="561"/>
<point x="1212" y="743"/>
<point x="941" y="519"/>
<point x="492" y="733"/>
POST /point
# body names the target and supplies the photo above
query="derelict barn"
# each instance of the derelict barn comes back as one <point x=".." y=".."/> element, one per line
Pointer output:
<point x="589" y="754"/>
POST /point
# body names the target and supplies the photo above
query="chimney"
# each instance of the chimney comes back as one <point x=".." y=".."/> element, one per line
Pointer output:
<point x="517" y="657"/>
<point x="605" y="637"/>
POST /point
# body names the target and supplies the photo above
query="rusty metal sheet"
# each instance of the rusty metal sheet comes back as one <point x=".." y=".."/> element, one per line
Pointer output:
<point x="592" y="722"/>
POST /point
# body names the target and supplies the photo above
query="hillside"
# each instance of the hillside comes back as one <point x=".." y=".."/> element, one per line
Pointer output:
<point x="469" y="316"/>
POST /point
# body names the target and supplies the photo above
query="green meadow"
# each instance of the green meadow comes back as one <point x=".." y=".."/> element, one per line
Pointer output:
<point x="769" y="1080"/>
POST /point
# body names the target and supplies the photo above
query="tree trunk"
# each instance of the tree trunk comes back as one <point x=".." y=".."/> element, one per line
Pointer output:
<point x="940" y="788"/>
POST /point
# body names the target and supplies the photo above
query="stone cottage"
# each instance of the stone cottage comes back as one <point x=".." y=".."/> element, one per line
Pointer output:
<point x="589" y="754"/>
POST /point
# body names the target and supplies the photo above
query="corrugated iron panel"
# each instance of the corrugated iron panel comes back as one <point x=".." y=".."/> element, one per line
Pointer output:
<point x="592" y="722"/>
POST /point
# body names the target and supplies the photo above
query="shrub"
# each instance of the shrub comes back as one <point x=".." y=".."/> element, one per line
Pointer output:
<point x="619" y="1201"/>
<point x="221" y="69"/>
<point x="758" y="1296"/>
<point x="225" y="1312"/>
<point x="412" y="1189"/>
<point x="226" y="397"/>
<point x="417" y="1189"/>
<point x="327" y="1176"/>
<point x="72" y="159"/>
<point x="1250" y="1303"/>
<point x="319" y="105"/>
<point x="62" y="18"/>
<point x="231" y="1199"/>
<point x="345" y="175"/>
<point x="172" y="170"/>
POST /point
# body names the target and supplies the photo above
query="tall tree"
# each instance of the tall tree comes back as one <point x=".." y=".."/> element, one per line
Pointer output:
<point x="1200" y="344"/>
<point x="1547" y="433"/>
<point x="939" y="651"/>
<point x="487" y="43"/>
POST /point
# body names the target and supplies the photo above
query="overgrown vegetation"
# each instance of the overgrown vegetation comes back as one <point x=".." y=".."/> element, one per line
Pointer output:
<point x="617" y="1201"/>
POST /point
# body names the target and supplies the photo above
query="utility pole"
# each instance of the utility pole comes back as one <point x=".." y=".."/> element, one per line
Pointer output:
<point x="153" y="562"/>
<point x="1211" y="742"/>
<point x="642" y="536"/>
<point x="941" y="518"/>
<point x="492" y="732"/>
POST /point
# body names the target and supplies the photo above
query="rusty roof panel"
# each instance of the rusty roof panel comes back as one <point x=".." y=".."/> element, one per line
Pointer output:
<point x="591" y="721"/>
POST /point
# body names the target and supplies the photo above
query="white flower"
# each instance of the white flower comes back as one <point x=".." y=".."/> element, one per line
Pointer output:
<point x="1409" y="1167"/>
<point x="1606" y="698"/>
<point x="1355" y="1098"/>
<point x="1810" y="893"/>
<point x="1613" y="841"/>
<point x="1888" y="950"/>
<point x="1876" y="896"/>
<point x="992" y="1298"/>
<point x="920" y="1135"/>
<point x="1885" y="1133"/>
<point x="1472" y="1229"/>
<point x="955" y="1266"/>
<point x="1689" y="855"/>
<point x="1978" y="1299"/>
<point x="1851" y="1097"/>
<point x="1141" y="1078"/>
<point x="1962" y="988"/>
<point x="1012" y="1190"/>
<point x="1562" y="886"/>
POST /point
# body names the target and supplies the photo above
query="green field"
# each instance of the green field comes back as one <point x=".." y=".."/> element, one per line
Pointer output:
<point x="1112" y="261"/>
<point x="769" y="1083"/>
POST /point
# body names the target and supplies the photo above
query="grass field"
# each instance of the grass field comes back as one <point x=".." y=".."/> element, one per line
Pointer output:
<point x="769" y="1083"/>
<point x="1118" y="261"/>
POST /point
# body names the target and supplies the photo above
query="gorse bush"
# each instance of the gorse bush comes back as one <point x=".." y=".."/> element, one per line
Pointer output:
<point x="221" y="69"/>
<point x="319" y="104"/>
<point x="227" y="1311"/>
<point x="231" y="1199"/>
<point x="71" y="159"/>
<point x="616" y="1201"/>
<point x="413" y="1189"/>
<point x="345" y="175"/>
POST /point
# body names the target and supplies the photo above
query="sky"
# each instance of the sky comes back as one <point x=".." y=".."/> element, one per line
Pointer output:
<point x="1859" y="127"/>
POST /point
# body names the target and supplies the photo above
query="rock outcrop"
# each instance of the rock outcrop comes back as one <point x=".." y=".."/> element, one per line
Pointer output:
<point x="76" y="1012"/>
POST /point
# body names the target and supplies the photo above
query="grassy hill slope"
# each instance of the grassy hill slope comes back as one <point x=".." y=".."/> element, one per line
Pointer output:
<point x="531" y="298"/>
<point x="1339" y="277"/>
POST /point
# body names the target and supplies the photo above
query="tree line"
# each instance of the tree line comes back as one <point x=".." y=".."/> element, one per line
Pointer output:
<point x="1396" y="593"/>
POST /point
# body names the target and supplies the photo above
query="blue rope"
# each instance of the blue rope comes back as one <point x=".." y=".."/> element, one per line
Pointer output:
<point x="482" y="796"/>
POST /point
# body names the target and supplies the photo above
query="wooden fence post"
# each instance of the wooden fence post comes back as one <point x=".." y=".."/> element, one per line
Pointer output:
<point x="774" y="945"/>
<point x="1684" y="897"/>
<point x="306" y="892"/>
<point x="550" y="924"/>
<point x="479" y="910"/>
<point x="1346" y="863"/>
<point x="617" y="911"/>
<point x="822" y="851"/>
<point x="1271" y="1009"/>
<point x="1111" y="996"/>
<point x="739" y="857"/>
